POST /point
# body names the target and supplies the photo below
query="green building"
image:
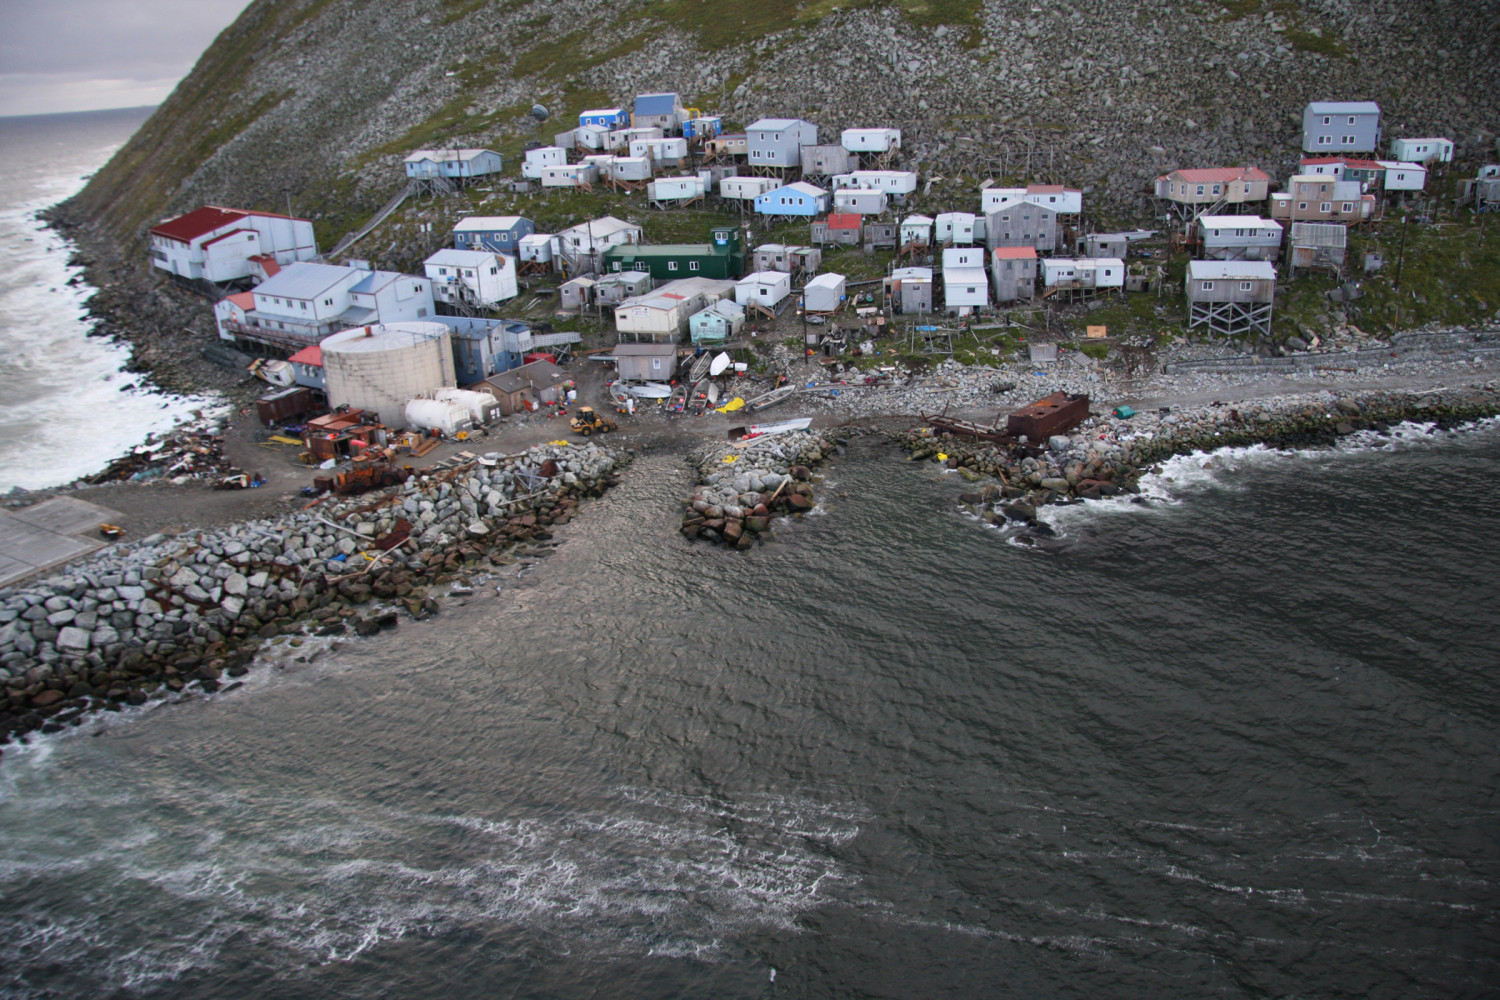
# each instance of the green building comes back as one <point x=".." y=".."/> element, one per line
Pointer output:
<point x="721" y="257"/>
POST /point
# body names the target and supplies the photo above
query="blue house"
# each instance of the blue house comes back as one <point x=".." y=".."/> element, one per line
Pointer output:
<point x="496" y="233"/>
<point x="610" y="118"/>
<point x="703" y="128"/>
<point x="663" y="111"/>
<point x="798" y="198"/>
<point x="455" y="164"/>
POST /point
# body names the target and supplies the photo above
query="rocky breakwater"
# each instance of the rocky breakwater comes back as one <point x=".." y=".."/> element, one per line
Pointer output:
<point x="741" y="487"/>
<point x="1106" y="455"/>
<point x="156" y="617"/>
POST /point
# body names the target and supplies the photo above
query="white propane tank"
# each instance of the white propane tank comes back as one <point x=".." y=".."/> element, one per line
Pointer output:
<point x="482" y="407"/>
<point x="445" y="416"/>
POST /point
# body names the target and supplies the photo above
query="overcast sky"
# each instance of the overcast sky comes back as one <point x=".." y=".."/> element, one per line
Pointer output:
<point x="84" y="55"/>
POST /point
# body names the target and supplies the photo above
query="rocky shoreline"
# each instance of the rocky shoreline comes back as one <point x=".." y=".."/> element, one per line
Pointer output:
<point x="740" y="489"/>
<point x="168" y="614"/>
<point x="1107" y="455"/>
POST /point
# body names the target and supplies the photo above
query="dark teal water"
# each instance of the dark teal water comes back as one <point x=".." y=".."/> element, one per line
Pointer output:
<point x="1239" y="741"/>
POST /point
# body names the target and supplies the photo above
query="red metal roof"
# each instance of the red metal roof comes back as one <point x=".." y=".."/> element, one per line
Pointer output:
<point x="245" y="300"/>
<point x="1364" y="164"/>
<point x="308" y="356"/>
<point x="195" y="223"/>
<point x="844" y="220"/>
<point x="1015" y="253"/>
<point x="1308" y="161"/>
<point x="1045" y="189"/>
<point x="267" y="264"/>
<point x="1219" y="175"/>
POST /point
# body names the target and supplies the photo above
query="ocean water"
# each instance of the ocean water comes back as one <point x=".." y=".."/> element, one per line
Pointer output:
<point x="1238" y="740"/>
<point x="63" y="413"/>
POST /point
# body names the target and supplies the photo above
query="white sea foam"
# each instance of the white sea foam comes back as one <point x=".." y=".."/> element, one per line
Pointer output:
<point x="310" y="883"/>
<point x="62" y="411"/>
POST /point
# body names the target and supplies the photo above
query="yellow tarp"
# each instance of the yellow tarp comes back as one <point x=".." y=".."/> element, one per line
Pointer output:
<point x="731" y="406"/>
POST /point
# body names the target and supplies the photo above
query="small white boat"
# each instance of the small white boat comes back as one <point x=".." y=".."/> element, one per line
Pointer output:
<point x="713" y="394"/>
<point x="720" y="362"/>
<point x="700" y="367"/>
<point x="754" y="431"/>
<point x="769" y="399"/>
<point x="650" y="390"/>
<point x="619" y="393"/>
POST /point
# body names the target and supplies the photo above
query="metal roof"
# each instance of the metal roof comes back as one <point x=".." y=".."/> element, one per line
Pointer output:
<point x="537" y="374"/>
<point x="644" y="350"/>
<point x="445" y="155"/>
<point x="912" y="274"/>
<point x="374" y="281"/>
<point x="1320" y="234"/>
<point x="1344" y="108"/>
<point x="1212" y="175"/>
<point x="844" y="220"/>
<point x="656" y="104"/>
<point x="1236" y="222"/>
<point x="305" y="280"/>
<point x="474" y="222"/>
<point x="775" y="124"/>
<point x="1015" y="253"/>
<point x="312" y="355"/>
<point x="382" y="337"/>
<point x="1239" y="270"/>
<point x="198" y="222"/>
<point x="601" y="228"/>
<point x="595" y="112"/>
<point x="828" y="279"/>
<point x="461" y="258"/>
<point x="961" y="275"/>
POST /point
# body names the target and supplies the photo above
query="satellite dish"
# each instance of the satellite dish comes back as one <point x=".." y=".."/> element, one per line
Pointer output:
<point x="540" y="113"/>
<point x="718" y="364"/>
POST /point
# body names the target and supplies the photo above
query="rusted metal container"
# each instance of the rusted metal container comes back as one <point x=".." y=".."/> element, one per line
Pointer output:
<point x="1054" y="414"/>
<point x="284" y="405"/>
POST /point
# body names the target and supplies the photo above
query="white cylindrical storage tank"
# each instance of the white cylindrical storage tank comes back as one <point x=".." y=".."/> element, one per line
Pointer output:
<point x="378" y="368"/>
<point x="446" y="415"/>
<point x="481" y="405"/>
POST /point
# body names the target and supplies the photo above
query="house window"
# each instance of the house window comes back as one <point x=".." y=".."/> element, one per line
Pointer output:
<point x="1327" y="120"/>
<point x="442" y="271"/>
<point x="421" y="312"/>
<point x="671" y="265"/>
<point x="1216" y="232"/>
<point x="1244" y="286"/>
<point x="1216" y="189"/>
<point x="494" y="270"/>
<point x="692" y="265"/>
<point x="1348" y="140"/>
<point x="1200" y="188"/>
<point x="1348" y="206"/>
<point x="1325" y="140"/>
<point x="1351" y="119"/>
<point x="1207" y="286"/>
<point x="1301" y="206"/>
<point x="1326" y="207"/>
<point x="971" y="290"/>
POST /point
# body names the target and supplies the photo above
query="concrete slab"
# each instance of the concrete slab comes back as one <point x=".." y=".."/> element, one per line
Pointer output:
<point x="67" y="515"/>
<point x="49" y="534"/>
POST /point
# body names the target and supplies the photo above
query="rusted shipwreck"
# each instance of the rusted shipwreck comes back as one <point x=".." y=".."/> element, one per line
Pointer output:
<point x="1054" y="414"/>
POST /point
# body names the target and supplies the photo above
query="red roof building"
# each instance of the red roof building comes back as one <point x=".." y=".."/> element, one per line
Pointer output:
<point x="199" y="222"/>
<point x="844" y="220"/>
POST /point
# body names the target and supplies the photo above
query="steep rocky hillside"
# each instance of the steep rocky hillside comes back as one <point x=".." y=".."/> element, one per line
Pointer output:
<point x="312" y="103"/>
<point x="319" y="98"/>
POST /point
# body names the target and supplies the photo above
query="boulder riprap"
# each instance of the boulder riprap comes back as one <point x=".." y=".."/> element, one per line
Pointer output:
<point x="166" y="613"/>
<point x="1107" y="455"/>
<point x="742" y="487"/>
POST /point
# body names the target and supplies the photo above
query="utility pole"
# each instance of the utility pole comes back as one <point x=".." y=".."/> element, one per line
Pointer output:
<point x="1401" y="254"/>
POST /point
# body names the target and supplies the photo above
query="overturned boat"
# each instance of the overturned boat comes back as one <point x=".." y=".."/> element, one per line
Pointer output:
<point x="753" y="432"/>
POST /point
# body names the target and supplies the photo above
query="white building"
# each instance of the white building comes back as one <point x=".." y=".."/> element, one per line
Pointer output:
<point x="542" y="157"/>
<point x="455" y="164"/>
<point x="1422" y="150"/>
<point x="1239" y="237"/>
<point x="1083" y="272"/>
<point x="966" y="284"/>
<point x="595" y="236"/>
<point x="660" y="316"/>
<point x="675" y="188"/>
<point x="763" y="288"/>
<point x="954" y="227"/>
<point x="862" y="201"/>
<point x="219" y="244"/>
<point x="1404" y="176"/>
<point x="896" y="183"/>
<point x="1062" y="200"/>
<point x="306" y="302"/>
<point x="823" y="294"/>
<point x="569" y="175"/>
<point x="746" y="188"/>
<point x="668" y="150"/>
<point x="871" y="140"/>
<point x="472" y="277"/>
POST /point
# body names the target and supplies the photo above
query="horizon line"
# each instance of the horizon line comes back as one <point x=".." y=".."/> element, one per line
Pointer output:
<point x="88" y="111"/>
